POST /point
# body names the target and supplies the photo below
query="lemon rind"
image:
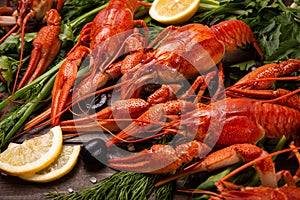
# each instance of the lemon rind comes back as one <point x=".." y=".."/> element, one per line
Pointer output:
<point x="54" y="175"/>
<point x="179" y="18"/>
<point x="41" y="163"/>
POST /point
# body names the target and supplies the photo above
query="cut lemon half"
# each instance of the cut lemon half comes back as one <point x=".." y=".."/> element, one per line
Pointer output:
<point x="173" y="11"/>
<point x="60" y="167"/>
<point x="33" y="154"/>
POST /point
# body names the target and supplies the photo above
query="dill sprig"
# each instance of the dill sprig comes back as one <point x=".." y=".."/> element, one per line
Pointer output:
<point x="122" y="186"/>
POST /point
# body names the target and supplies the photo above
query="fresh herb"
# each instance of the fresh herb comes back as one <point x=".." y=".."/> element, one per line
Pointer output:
<point x="72" y="9"/>
<point x="14" y="120"/>
<point x="122" y="186"/>
<point x="275" y="24"/>
<point x="276" y="27"/>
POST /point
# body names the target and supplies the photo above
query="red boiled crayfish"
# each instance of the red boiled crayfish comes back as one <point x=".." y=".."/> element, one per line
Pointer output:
<point x="26" y="11"/>
<point x="188" y="50"/>
<point x="46" y="46"/>
<point x="101" y="38"/>
<point x="224" y="123"/>
<point x="238" y="108"/>
<point x="33" y="10"/>
<point x="267" y="174"/>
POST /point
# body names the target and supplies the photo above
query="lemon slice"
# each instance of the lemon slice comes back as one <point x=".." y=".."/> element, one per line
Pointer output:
<point x="173" y="11"/>
<point x="33" y="154"/>
<point x="60" y="167"/>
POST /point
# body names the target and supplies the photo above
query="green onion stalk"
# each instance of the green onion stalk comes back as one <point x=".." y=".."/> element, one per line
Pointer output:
<point x="23" y="112"/>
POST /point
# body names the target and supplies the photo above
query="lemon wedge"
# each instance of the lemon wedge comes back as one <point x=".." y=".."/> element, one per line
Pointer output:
<point x="33" y="154"/>
<point x="60" y="167"/>
<point x="173" y="11"/>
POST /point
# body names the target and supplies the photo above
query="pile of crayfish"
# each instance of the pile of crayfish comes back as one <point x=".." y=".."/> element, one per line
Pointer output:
<point x="171" y="86"/>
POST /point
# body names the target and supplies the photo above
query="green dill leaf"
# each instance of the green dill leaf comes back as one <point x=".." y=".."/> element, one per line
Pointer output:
<point x="122" y="186"/>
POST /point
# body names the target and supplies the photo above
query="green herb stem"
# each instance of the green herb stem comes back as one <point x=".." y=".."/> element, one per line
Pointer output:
<point x="206" y="6"/>
<point x="279" y="146"/>
<point x="77" y="21"/>
<point x="28" y="109"/>
<point x="21" y="92"/>
<point x="209" y="4"/>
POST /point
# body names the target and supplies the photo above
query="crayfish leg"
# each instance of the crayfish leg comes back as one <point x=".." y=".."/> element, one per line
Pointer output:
<point x="229" y="156"/>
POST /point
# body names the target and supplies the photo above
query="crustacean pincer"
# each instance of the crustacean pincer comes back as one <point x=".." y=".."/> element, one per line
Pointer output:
<point x="257" y="84"/>
<point x="36" y="11"/>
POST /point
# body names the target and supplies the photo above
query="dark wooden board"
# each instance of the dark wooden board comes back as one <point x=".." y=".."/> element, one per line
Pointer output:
<point x="13" y="188"/>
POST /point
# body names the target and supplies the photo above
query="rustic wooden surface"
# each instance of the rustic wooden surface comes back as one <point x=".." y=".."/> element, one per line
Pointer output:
<point x="78" y="178"/>
<point x="13" y="188"/>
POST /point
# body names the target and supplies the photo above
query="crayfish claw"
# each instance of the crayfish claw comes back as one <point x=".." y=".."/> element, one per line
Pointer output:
<point x="159" y="159"/>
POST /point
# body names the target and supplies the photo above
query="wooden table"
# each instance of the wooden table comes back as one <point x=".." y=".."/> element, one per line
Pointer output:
<point x="78" y="178"/>
<point x="14" y="188"/>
